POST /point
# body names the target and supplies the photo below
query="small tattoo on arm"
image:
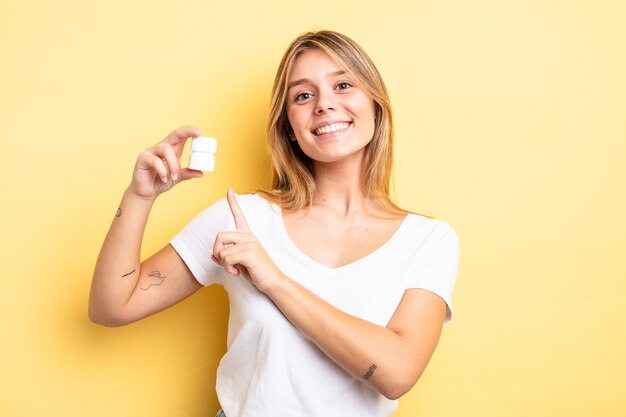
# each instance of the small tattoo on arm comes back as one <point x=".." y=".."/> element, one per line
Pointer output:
<point x="119" y="212"/>
<point x="159" y="280"/>
<point x="370" y="371"/>
<point x="125" y="275"/>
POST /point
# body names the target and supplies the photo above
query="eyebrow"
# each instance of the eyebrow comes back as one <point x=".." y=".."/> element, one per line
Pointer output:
<point x="306" y="80"/>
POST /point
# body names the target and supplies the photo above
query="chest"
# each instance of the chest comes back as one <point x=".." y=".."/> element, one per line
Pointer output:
<point x="335" y="243"/>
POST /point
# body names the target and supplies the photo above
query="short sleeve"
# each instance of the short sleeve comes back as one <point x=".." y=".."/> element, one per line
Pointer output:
<point x="437" y="264"/>
<point x="194" y="243"/>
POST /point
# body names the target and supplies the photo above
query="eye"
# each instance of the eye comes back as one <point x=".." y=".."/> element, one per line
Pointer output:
<point x="344" y="85"/>
<point x="303" y="96"/>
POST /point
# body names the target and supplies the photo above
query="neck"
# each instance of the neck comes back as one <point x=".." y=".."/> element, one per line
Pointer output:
<point x="338" y="187"/>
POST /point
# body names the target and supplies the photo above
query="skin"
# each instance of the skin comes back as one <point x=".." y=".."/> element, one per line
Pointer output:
<point x="390" y="359"/>
<point x="321" y="93"/>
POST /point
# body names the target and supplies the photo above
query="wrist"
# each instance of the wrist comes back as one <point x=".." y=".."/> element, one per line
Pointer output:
<point x="277" y="286"/>
<point x="130" y="194"/>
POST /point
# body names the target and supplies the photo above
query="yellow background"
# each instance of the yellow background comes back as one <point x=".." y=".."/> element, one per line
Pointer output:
<point x="511" y="126"/>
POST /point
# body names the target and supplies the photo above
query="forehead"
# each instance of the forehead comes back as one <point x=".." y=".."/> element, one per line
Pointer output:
<point x="313" y="61"/>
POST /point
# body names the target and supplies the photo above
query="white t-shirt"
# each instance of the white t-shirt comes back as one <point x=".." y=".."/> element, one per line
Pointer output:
<point x="270" y="368"/>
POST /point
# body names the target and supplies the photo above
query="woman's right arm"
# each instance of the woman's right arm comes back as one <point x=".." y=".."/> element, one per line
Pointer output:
<point x="123" y="289"/>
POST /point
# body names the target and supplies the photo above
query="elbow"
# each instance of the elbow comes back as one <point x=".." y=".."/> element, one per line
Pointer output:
<point x="394" y="391"/>
<point x="105" y="321"/>
<point x="391" y="394"/>
<point x="104" y="318"/>
<point x="396" y="387"/>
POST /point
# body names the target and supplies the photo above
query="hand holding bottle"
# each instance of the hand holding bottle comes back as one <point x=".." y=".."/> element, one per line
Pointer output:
<point x="158" y="167"/>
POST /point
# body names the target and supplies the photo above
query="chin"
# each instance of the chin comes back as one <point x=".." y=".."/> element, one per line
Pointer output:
<point x="327" y="158"/>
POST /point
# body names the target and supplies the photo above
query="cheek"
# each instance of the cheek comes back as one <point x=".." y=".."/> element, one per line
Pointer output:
<point x="293" y="118"/>
<point x="368" y="110"/>
<point x="366" y="107"/>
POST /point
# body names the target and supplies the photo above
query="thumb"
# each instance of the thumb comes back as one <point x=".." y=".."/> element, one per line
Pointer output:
<point x="187" y="174"/>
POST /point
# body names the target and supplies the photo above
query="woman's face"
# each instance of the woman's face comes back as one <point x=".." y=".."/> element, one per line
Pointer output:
<point x="331" y="117"/>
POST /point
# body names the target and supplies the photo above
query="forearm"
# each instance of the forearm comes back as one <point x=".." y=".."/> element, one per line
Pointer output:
<point x="118" y="266"/>
<point x="374" y="354"/>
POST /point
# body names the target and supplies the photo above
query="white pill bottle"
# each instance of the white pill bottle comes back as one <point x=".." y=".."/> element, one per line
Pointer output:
<point x="202" y="156"/>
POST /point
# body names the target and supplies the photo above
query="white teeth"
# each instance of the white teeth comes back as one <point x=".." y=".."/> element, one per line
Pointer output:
<point x="331" y="128"/>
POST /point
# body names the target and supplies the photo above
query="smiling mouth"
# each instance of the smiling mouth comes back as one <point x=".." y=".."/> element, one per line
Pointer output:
<point x="335" y="127"/>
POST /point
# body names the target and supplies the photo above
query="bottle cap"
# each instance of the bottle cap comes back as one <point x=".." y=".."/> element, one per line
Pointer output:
<point x="204" y="144"/>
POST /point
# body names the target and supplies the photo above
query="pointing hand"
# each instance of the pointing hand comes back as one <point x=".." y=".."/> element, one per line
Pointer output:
<point x="240" y="253"/>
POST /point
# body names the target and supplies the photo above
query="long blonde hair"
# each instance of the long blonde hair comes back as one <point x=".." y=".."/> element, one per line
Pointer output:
<point x="293" y="179"/>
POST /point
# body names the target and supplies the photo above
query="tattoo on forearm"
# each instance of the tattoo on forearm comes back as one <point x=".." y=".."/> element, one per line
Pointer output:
<point x="125" y="275"/>
<point x="119" y="212"/>
<point x="158" y="276"/>
<point x="370" y="371"/>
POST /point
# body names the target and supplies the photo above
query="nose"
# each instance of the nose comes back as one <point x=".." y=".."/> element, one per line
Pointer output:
<point x="325" y="102"/>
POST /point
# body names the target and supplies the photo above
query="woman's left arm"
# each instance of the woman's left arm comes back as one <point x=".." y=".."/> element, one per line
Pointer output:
<point x="390" y="359"/>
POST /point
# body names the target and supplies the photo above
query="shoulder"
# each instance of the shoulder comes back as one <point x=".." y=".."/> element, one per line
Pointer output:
<point x="218" y="216"/>
<point x="431" y="224"/>
<point x="248" y="200"/>
<point x="256" y="208"/>
<point x="430" y="232"/>
<point x="253" y="201"/>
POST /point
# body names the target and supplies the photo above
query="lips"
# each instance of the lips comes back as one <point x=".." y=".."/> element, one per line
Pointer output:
<point x="331" y="127"/>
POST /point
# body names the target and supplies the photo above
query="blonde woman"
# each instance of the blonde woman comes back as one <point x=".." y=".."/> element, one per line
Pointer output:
<point x="337" y="296"/>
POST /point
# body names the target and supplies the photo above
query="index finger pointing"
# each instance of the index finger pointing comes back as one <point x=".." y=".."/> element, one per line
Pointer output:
<point x="240" y="220"/>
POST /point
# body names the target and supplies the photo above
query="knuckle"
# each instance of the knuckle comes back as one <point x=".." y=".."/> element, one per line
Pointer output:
<point x="157" y="161"/>
<point x="171" y="154"/>
<point x="188" y="127"/>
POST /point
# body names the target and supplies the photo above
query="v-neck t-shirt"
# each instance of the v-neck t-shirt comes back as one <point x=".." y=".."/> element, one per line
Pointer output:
<point x="270" y="368"/>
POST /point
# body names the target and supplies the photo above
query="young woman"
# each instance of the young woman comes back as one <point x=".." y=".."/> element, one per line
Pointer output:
<point x="337" y="296"/>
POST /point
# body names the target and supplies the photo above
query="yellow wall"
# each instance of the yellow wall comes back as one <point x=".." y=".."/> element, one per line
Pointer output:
<point x="511" y="125"/>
